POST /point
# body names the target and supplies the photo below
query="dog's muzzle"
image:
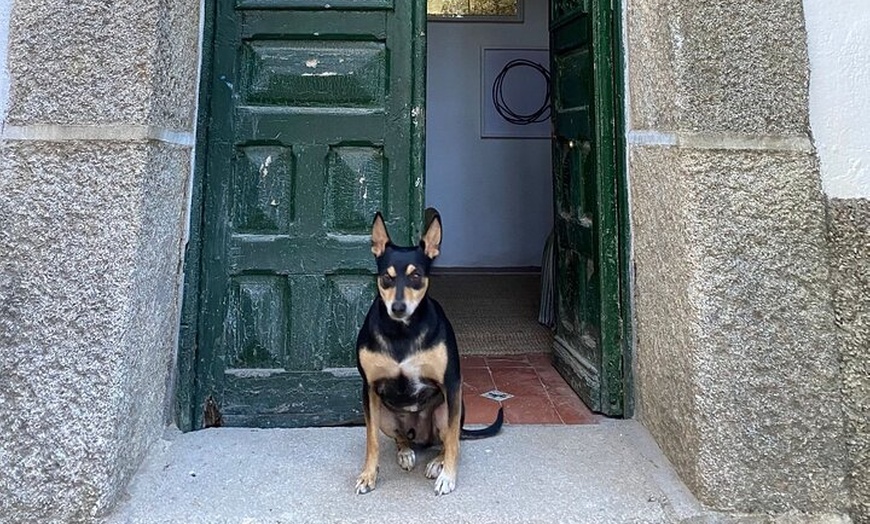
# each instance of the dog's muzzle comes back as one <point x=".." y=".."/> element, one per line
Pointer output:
<point x="398" y="309"/>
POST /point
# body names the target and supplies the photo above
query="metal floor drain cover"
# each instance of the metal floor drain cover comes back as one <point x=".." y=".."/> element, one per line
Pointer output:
<point x="496" y="395"/>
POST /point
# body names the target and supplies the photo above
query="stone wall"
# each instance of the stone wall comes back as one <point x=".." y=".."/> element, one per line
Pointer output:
<point x="849" y="226"/>
<point x="737" y="368"/>
<point x="95" y="156"/>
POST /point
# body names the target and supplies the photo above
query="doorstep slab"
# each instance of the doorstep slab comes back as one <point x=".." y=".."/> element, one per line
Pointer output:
<point x="611" y="472"/>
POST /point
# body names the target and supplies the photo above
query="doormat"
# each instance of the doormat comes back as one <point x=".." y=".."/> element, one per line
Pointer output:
<point x="493" y="314"/>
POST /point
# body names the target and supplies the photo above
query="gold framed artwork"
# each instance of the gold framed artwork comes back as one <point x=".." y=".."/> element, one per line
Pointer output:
<point x="475" y="10"/>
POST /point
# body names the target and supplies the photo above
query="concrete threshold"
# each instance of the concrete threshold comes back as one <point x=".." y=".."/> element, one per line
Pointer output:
<point x="611" y="472"/>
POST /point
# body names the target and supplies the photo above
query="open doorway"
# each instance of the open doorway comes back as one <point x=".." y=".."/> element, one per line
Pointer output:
<point x="495" y="195"/>
<point x="306" y="132"/>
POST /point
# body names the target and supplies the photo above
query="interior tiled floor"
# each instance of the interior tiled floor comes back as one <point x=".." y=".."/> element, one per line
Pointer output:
<point x="540" y="394"/>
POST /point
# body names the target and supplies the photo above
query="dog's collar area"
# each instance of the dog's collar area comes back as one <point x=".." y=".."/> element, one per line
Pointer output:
<point x="406" y="320"/>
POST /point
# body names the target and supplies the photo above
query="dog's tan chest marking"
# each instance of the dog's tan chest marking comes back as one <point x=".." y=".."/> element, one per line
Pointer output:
<point x="378" y="365"/>
<point x="424" y="364"/>
<point x="429" y="363"/>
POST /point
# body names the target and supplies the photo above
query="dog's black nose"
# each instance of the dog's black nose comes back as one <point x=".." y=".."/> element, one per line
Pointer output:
<point x="398" y="308"/>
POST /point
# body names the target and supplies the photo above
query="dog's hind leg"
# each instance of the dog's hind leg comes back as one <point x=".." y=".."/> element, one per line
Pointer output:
<point x="392" y="426"/>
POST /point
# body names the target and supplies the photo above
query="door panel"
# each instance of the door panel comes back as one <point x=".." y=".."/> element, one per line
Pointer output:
<point x="587" y="347"/>
<point x="315" y="124"/>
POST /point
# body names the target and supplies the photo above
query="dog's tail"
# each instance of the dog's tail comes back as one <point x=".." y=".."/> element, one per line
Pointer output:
<point x="489" y="431"/>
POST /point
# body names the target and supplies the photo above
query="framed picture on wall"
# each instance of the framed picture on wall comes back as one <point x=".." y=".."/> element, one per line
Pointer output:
<point x="475" y="10"/>
<point x="515" y="93"/>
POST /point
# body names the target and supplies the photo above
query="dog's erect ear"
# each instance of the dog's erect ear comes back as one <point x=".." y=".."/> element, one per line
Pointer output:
<point x="431" y="240"/>
<point x="380" y="237"/>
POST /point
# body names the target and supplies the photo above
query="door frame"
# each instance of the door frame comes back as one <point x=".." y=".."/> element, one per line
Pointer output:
<point x="188" y="339"/>
<point x="608" y="24"/>
<point x="185" y="369"/>
<point x="623" y="212"/>
<point x="619" y="82"/>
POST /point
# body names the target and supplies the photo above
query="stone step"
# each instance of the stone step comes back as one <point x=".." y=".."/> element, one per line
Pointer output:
<point x="610" y="472"/>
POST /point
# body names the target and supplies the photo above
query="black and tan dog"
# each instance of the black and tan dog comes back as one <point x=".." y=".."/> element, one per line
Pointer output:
<point x="409" y="362"/>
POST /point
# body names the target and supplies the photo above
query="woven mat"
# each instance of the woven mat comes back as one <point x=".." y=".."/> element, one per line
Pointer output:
<point x="493" y="314"/>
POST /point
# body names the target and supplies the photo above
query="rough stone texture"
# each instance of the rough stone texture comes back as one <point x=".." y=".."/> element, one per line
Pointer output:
<point x="87" y="318"/>
<point x="662" y="284"/>
<point x="177" y="62"/>
<point x="528" y="474"/>
<point x="218" y="476"/>
<point x="97" y="62"/>
<point x="736" y="352"/>
<point x="718" y="66"/>
<point x="849" y="233"/>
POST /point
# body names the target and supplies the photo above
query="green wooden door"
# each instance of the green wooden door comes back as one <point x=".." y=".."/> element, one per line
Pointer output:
<point x="587" y="345"/>
<point x="315" y="122"/>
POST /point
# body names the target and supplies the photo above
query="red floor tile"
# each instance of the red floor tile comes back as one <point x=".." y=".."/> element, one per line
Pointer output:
<point x="479" y="410"/>
<point x="540" y="360"/>
<point x="477" y="381"/>
<point x="477" y="372"/>
<point x="551" y="377"/>
<point x="518" y="381"/>
<point x="472" y="361"/>
<point x="540" y="394"/>
<point x="570" y="408"/>
<point x="530" y="410"/>
<point x="507" y="361"/>
<point x="570" y="413"/>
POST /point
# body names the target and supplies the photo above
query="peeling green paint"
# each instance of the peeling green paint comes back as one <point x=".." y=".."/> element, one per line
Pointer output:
<point x="589" y="337"/>
<point x="309" y="130"/>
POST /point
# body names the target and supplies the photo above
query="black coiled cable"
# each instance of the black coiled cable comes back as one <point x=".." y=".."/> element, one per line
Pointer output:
<point x="540" y="115"/>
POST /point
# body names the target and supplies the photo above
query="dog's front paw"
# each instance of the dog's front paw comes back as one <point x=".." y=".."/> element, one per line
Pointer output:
<point x="445" y="483"/>
<point x="366" y="481"/>
<point x="433" y="469"/>
<point x="406" y="458"/>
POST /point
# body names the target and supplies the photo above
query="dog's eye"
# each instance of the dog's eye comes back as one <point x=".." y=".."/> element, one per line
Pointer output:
<point x="387" y="281"/>
<point x="415" y="278"/>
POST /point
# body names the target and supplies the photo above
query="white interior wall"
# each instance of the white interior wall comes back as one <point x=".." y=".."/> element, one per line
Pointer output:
<point x="838" y="39"/>
<point x="494" y="195"/>
<point x="5" y="12"/>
